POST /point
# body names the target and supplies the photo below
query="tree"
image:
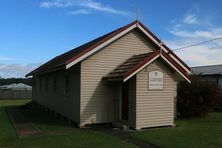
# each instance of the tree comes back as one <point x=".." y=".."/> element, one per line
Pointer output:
<point x="7" y="81"/>
<point x="198" y="98"/>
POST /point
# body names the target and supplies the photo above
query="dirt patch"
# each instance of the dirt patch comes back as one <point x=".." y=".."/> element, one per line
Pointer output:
<point x="21" y="124"/>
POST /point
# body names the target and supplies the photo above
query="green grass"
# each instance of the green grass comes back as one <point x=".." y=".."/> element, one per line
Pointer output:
<point x="13" y="102"/>
<point x="55" y="133"/>
<point x="199" y="132"/>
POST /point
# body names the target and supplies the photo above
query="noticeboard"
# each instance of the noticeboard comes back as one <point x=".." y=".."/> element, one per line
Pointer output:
<point x="155" y="80"/>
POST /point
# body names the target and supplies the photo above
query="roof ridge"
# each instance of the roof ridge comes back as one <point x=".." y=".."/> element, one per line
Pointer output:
<point x="75" y="55"/>
<point x="207" y="65"/>
<point x="77" y="49"/>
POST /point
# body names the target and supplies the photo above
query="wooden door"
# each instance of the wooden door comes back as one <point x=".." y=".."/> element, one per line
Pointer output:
<point x="125" y="100"/>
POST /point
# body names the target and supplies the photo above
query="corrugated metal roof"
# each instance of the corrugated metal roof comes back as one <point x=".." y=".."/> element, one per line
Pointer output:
<point x="121" y="70"/>
<point x="132" y="65"/>
<point x="207" y="70"/>
<point x="16" y="86"/>
<point x="61" y="61"/>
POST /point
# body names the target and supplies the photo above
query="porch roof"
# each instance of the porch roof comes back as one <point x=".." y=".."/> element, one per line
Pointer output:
<point x="130" y="65"/>
<point x="136" y="63"/>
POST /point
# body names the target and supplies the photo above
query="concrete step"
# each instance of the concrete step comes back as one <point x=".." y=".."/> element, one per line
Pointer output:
<point x="121" y="124"/>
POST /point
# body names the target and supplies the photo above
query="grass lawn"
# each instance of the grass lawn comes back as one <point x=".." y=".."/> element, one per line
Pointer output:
<point x="56" y="133"/>
<point x="199" y="132"/>
<point x="4" y="103"/>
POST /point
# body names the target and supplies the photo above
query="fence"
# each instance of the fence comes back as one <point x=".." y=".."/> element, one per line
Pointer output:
<point x="15" y="94"/>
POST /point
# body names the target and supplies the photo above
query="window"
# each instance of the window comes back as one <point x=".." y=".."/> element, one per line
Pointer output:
<point x="46" y="84"/>
<point x="40" y="83"/>
<point x="54" y="84"/>
<point x="67" y="84"/>
<point x="35" y="83"/>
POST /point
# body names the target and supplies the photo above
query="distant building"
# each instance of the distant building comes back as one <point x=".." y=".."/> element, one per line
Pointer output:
<point x="16" y="86"/>
<point x="211" y="73"/>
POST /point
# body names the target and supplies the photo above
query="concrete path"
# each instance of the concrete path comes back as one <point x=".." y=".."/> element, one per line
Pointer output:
<point x="21" y="124"/>
<point x="123" y="135"/>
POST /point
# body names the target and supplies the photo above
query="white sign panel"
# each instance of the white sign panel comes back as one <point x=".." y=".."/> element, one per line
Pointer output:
<point x="155" y="80"/>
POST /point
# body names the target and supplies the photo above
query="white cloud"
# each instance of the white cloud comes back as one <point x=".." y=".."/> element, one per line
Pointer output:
<point x="100" y="7"/>
<point x="190" y="19"/>
<point x="56" y="4"/>
<point x="204" y="54"/>
<point x="6" y="58"/>
<point x="16" y="70"/>
<point x="197" y="55"/>
<point x="207" y="33"/>
<point x="194" y="28"/>
<point x="90" y="4"/>
<point x="79" y="12"/>
<point x="192" y="16"/>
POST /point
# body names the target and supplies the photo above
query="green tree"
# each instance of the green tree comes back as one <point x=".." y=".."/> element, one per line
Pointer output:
<point x="198" y="98"/>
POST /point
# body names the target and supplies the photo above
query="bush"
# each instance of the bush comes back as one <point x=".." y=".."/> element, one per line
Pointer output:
<point x="198" y="98"/>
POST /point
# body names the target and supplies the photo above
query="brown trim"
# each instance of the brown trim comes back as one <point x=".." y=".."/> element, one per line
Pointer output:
<point x="150" y="57"/>
<point x="101" y="42"/>
<point x="46" y="71"/>
<point x="38" y="70"/>
<point x="176" y="65"/>
<point x="169" y="50"/>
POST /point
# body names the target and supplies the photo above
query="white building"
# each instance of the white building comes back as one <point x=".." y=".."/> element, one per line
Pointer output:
<point x="16" y="86"/>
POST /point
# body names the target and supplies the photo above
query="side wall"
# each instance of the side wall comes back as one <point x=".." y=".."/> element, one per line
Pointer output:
<point x="99" y="101"/>
<point x="220" y="82"/>
<point x="58" y="100"/>
<point x="155" y="107"/>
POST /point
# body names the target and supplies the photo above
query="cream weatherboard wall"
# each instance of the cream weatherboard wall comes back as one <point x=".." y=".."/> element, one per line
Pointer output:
<point x="92" y="100"/>
<point x="99" y="101"/>
<point x="155" y="107"/>
<point x="57" y="99"/>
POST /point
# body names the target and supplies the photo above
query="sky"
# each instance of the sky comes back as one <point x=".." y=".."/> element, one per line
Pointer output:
<point x="34" y="31"/>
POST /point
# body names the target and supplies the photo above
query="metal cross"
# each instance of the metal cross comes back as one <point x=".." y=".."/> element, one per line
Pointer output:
<point x="137" y="14"/>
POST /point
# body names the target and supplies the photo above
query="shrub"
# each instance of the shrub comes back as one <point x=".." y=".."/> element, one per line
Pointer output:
<point x="198" y="98"/>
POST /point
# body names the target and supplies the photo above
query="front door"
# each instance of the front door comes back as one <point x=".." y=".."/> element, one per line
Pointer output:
<point x="125" y="100"/>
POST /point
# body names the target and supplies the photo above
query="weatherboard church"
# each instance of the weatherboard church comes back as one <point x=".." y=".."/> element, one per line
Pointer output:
<point x="126" y="75"/>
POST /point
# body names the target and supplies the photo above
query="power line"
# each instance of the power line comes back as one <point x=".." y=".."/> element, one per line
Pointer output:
<point x="218" y="38"/>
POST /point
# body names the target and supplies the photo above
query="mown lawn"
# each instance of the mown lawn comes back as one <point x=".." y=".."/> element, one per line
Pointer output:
<point x="55" y="133"/>
<point x="199" y="133"/>
<point x="5" y="103"/>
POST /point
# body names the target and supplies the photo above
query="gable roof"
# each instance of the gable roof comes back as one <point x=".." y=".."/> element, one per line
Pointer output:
<point x="75" y="55"/>
<point x="136" y="63"/>
<point x="207" y="70"/>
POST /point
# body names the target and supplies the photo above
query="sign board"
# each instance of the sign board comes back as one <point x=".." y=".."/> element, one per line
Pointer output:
<point x="155" y="80"/>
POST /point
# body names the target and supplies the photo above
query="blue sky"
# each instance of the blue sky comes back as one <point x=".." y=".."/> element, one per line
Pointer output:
<point x="32" y="32"/>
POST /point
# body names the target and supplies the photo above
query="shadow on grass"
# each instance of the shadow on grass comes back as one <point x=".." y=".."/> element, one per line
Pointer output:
<point x="36" y="116"/>
<point x="40" y="117"/>
<point x="55" y="132"/>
